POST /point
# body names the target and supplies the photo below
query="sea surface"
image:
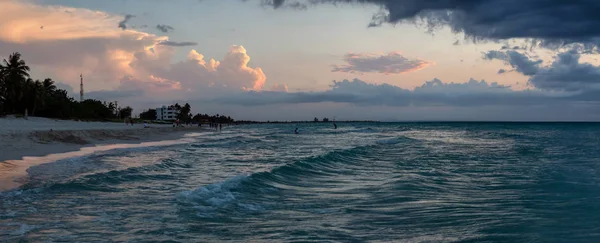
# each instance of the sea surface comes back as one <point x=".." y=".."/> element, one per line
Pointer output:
<point x="362" y="182"/>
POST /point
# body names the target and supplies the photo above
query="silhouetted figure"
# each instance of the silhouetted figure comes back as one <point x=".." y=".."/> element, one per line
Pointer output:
<point x="334" y="126"/>
<point x="296" y="131"/>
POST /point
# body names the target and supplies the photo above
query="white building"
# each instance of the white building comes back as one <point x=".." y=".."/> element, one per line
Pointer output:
<point x="166" y="113"/>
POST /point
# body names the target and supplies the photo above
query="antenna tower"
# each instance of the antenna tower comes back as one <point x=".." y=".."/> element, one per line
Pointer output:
<point x="81" y="89"/>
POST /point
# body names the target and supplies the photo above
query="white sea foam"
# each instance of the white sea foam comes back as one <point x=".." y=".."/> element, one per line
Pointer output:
<point x="209" y="200"/>
<point x="15" y="173"/>
<point x="215" y="195"/>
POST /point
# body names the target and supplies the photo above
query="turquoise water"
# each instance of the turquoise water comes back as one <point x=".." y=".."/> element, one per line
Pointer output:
<point x="380" y="182"/>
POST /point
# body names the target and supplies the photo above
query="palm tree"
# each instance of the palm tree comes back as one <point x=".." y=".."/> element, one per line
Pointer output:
<point x="40" y="96"/>
<point x="112" y="107"/>
<point x="27" y="96"/>
<point x="14" y="72"/>
<point x="49" y="86"/>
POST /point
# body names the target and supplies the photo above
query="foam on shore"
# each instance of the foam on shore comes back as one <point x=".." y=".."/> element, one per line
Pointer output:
<point x="13" y="173"/>
<point x="26" y="143"/>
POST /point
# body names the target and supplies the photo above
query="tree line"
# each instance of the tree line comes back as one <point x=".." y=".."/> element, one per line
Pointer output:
<point x="20" y="94"/>
<point x="324" y="119"/>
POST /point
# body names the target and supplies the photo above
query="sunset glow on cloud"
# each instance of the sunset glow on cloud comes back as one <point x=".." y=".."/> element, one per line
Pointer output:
<point x="279" y="88"/>
<point x="69" y="41"/>
<point x="138" y="53"/>
<point x="24" y="22"/>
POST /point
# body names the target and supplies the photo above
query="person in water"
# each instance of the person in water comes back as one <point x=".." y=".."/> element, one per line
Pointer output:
<point x="334" y="126"/>
<point x="296" y="131"/>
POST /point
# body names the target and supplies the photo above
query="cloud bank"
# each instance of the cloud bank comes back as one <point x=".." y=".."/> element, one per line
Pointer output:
<point x="134" y="66"/>
<point x="551" y="22"/>
<point x="473" y="93"/>
<point x="76" y="40"/>
<point x="390" y="63"/>
<point x="566" y="73"/>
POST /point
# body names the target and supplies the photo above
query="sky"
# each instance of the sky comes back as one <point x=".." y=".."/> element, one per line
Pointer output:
<point x="472" y="60"/>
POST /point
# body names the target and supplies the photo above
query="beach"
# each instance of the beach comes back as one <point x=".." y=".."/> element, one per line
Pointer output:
<point x="25" y="143"/>
<point x="38" y="136"/>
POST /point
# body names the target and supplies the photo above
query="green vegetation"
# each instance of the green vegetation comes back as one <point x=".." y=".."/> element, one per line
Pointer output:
<point x="324" y="119"/>
<point x="205" y="118"/>
<point x="184" y="112"/>
<point x="148" y="115"/>
<point x="19" y="94"/>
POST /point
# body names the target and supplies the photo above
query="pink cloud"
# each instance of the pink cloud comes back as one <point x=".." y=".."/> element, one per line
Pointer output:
<point x="390" y="63"/>
<point x="75" y="40"/>
<point x="279" y="88"/>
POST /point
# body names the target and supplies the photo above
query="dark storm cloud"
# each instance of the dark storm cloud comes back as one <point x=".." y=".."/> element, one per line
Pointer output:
<point x="566" y="73"/>
<point x="123" y="23"/>
<point x="516" y="59"/>
<point x="507" y="47"/>
<point x="164" y="28"/>
<point x="555" y="22"/>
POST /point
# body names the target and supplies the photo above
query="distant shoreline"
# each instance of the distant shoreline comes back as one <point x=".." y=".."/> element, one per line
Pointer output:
<point x="310" y="122"/>
<point x="407" y="121"/>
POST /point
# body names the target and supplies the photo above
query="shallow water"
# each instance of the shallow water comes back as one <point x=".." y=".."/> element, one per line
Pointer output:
<point x="380" y="182"/>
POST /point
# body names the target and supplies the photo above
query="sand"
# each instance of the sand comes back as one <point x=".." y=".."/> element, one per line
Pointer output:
<point x="42" y="136"/>
<point x="35" y="141"/>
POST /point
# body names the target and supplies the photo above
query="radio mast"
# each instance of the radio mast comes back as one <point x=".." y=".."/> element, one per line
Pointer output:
<point x="81" y="89"/>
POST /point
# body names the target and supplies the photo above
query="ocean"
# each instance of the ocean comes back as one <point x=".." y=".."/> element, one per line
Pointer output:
<point x="362" y="182"/>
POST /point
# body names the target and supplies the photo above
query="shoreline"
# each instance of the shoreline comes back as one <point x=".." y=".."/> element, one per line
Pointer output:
<point x="17" y="145"/>
<point x="22" y="150"/>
